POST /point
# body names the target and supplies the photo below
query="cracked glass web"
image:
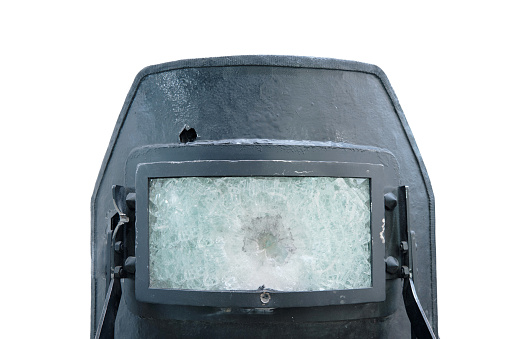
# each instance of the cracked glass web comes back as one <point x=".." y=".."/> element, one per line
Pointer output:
<point x="240" y="233"/>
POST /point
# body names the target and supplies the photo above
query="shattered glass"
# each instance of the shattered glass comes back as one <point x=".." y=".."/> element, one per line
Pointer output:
<point x="242" y="233"/>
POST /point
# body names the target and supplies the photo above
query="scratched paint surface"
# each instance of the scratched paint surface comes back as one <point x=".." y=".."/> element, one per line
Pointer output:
<point x="240" y="233"/>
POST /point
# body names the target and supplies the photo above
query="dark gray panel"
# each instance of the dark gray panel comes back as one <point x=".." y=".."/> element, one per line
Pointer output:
<point x="257" y="97"/>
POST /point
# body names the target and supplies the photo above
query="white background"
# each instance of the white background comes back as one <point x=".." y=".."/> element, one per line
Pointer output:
<point x="66" y="68"/>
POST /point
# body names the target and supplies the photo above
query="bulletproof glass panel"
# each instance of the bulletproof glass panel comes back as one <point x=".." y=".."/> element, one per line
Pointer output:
<point x="240" y="233"/>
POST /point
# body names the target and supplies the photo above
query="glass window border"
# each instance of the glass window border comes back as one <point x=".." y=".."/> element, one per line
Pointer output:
<point x="251" y="299"/>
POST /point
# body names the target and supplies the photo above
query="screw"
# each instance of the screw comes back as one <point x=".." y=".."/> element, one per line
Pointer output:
<point x="265" y="297"/>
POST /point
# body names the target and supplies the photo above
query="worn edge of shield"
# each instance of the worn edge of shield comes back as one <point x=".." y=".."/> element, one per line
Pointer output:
<point x="275" y="61"/>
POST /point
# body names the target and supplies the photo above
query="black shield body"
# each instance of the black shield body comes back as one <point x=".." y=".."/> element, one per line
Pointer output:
<point x="284" y="113"/>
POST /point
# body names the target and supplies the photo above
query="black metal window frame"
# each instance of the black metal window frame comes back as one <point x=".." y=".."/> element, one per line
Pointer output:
<point x="265" y="168"/>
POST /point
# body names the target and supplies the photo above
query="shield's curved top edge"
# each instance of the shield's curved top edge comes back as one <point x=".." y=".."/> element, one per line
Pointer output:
<point x="262" y="60"/>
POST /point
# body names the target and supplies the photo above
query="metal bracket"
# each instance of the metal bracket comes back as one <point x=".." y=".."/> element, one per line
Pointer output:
<point x="120" y="194"/>
<point x="421" y="327"/>
<point x="106" y="328"/>
<point x="124" y="201"/>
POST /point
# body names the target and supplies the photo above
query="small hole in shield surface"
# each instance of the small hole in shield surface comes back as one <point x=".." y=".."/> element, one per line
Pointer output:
<point x="188" y="134"/>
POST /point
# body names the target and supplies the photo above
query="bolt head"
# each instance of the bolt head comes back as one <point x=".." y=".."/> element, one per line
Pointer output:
<point x="265" y="297"/>
<point x="405" y="271"/>
<point x="391" y="265"/>
<point x="119" y="246"/>
<point x="390" y="201"/>
<point x="118" y="272"/>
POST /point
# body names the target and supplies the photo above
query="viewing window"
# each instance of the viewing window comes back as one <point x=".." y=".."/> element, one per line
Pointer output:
<point x="218" y="232"/>
<point x="240" y="233"/>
